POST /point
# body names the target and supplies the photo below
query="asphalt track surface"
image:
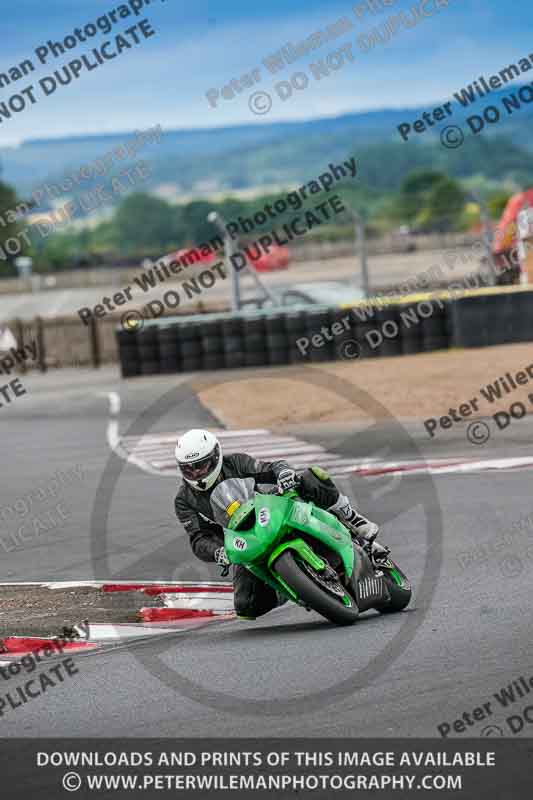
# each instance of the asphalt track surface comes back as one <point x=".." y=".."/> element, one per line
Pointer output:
<point x="470" y="627"/>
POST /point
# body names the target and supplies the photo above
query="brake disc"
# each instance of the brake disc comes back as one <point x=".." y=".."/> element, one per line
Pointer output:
<point x="329" y="581"/>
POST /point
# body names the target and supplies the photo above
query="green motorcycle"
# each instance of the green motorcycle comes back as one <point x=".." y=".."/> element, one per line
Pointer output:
<point x="306" y="554"/>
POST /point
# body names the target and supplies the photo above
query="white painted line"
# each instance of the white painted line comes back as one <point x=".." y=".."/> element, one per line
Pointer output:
<point x="98" y="584"/>
<point x="220" y="433"/>
<point x="5" y="584"/>
<point x="199" y="601"/>
<point x="271" y="454"/>
<point x="102" y="632"/>
<point x="332" y="468"/>
<point x="309" y="453"/>
<point x="275" y="443"/>
<point x="229" y="433"/>
<point x="151" y="455"/>
<point x="113" y="438"/>
<point x="68" y="584"/>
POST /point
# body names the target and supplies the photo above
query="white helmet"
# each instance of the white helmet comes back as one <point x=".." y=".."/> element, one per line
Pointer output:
<point x="199" y="458"/>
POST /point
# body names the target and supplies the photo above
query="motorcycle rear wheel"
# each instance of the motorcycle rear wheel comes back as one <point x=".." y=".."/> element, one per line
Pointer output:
<point x="312" y="594"/>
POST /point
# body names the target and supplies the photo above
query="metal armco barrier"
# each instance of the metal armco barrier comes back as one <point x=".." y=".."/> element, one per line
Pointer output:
<point x="405" y="326"/>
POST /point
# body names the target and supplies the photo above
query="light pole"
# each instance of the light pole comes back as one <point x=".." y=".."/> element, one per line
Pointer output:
<point x="360" y="239"/>
<point x="229" y="250"/>
<point x="487" y="234"/>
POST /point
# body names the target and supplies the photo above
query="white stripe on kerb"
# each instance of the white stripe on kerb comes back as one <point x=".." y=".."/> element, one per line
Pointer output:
<point x="153" y="453"/>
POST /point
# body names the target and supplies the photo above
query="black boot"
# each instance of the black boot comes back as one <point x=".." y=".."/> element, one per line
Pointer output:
<point x="358" y="525"/>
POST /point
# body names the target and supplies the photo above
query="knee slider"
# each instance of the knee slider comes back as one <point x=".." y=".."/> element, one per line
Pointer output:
<point x="321" y="474"/>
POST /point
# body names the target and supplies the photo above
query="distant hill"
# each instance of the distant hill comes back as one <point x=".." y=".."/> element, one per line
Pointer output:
<point x="242" y="156"/>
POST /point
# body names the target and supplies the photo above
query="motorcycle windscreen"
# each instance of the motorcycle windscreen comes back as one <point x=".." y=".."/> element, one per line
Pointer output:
<point x="228" y="496"/>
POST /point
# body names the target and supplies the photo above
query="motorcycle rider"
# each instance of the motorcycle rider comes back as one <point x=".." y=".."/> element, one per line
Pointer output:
<point x="202" y="465"/>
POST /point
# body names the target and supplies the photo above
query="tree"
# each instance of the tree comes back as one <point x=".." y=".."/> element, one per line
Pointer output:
<point x="57" y="252"/>
<point x="143" y="221"/>
<point x="194" y="220"/>
<point x="497" y="202"/>
<point x="415" y="190"/>
<point x="9" y="227"/>
<point x="445" y="204"/>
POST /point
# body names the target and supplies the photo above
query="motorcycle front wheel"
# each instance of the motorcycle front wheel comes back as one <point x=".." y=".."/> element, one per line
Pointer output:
<point x="399" y="589"/>
<point x="307" y="585"/>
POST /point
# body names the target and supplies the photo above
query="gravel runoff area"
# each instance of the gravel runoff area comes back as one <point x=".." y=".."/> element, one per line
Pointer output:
<point x="39" y="611"/>
<point x="409" y="387"/>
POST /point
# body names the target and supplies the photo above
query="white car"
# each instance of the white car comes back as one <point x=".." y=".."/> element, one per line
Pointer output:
<point x="323" y="293"/>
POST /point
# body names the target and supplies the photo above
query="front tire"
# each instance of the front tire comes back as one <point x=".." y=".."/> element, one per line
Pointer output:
<point x="400" y="592"/>
<point x="312" y="594"/>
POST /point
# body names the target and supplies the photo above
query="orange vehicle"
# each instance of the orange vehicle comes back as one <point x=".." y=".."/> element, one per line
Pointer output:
<point x="505" y="243"/>
<point x="276" y="258"/>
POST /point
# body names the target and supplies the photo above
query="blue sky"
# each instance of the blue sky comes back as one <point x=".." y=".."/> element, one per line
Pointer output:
<point x="205" y="44"/>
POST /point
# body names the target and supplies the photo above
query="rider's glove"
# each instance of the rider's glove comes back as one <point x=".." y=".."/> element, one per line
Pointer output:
<point x="286" y="480"/>
<point x="221" y="557"/>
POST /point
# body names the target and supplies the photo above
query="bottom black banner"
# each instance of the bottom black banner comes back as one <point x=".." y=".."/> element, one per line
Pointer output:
<point x="204" y="768"/>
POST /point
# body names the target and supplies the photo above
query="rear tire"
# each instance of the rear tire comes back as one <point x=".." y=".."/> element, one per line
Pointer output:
<point x="312" y="594"/>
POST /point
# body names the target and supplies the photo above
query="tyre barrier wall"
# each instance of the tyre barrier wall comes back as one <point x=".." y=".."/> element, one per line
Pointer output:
<point x="415" y="325"/>
<point x="491" y="319"/>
